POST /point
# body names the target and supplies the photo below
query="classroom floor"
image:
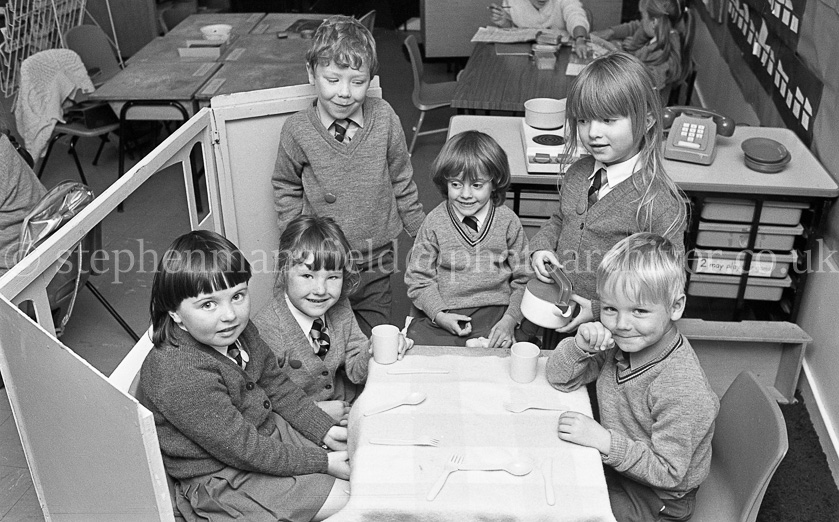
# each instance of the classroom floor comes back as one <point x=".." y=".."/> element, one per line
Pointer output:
<point x="148" y="225"/>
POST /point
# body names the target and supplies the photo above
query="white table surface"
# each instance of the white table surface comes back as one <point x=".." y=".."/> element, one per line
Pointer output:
<point x="464" y="408"/>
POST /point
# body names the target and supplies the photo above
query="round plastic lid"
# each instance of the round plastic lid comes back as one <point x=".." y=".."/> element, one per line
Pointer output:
<point x="765" y="150"/>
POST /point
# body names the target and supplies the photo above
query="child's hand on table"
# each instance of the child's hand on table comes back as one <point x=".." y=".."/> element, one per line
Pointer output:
<point x="338" y="410"/>
<point x="501" y="335"/>
<point x="594" y="337"/>
<point x="583" y="430"/>
<point x="338" y="464"/>
<point x="451" y="323"/>
<point x="405" y="344"/>
<point x="585" y="314"/>
<point x="538" y="260"/>
<point x="336" y="438"/>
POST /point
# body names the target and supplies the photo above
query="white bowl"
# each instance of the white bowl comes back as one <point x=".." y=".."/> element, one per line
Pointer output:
<point x="544" y="113"/>
<point x="216" y="31"/>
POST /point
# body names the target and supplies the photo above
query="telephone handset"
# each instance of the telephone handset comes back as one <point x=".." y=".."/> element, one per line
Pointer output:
<point x="693" y="133"/>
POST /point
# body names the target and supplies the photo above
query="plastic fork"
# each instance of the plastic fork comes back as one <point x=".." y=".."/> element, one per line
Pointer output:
<point x="419" y="441"/>
<point x="452" y="465"/>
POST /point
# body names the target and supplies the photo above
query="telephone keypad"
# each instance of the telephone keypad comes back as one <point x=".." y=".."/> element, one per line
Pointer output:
<point x="691" y="135"/>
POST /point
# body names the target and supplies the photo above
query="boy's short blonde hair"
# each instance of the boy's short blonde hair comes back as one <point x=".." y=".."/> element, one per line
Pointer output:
<point x="645" y="267"/>
<point x="344" y="41"/>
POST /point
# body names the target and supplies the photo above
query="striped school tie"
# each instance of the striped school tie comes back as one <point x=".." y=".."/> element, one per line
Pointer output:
<point x="234" y="352"/>
<point x="320" y="336"/>
<point x="340" y="130"/>
<point x="471" y="222"/>
<point x="596" y="184"/>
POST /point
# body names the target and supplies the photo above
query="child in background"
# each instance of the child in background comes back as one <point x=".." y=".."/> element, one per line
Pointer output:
<point x="468" y="268"/>
<point x="615" y="112"/>
<point x="309" y="324"/>
<point x="657" y="408"/>
<point x="655" y="39"/>
<point x="239" y="437"/>
<point x="558" y="15"/>
<point x="346" y="158"/>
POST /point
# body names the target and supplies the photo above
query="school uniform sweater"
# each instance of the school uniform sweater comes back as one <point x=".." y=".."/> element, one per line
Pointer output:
<point x="366" y="184"/>
<point x="582" y="237"/>
<point x="633" y="39"/>
<point x="660" y="415"/>
<point x="555" y="14"/>
<point x="210" y="413"/>
<point x="452" y="266"/>
<point x="332" y="378"/>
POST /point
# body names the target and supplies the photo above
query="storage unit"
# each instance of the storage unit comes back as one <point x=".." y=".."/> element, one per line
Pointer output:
<point x="732" y="235"/>
<point x="726" y="286"/>
<point x="534" y="204"/>
<point x="728" y="262"/>
<point x="742" y="210"/>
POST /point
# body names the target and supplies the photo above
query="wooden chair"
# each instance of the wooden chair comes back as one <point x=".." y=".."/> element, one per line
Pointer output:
<point x="426" y="96"/>
<point x="750" y="440"/>
<point x="369" y="20"/>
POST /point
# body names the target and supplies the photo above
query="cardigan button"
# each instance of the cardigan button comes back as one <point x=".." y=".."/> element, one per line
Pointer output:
<point x="267" y="405"/>
<point x="249" y="385"/>
<point x="330" y="197"/>
<point x="325" y="373"/>
<point x="582" y="226"/>
<point x="294" y="363"/>
<point x="328" y="386"/>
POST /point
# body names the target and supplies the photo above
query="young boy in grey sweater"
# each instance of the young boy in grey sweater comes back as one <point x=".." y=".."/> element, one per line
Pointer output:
<point x="657" y="408"/>
<point x="345" y="157"/>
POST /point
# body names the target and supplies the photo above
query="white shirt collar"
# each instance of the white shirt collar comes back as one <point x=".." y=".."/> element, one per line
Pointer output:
<point x="480" y="216"/>
<point x="303" y="320"/>
<point x="616" y="173"/>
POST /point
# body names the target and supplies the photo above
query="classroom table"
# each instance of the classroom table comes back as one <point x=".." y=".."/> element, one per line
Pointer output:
<point x="464" y="409"/>
<point x="291" y="23"/>
<point x="190" y="27"/>
<point x="246" y="76"/>
<point x="503" y="83"/>
<point x="267" y="48"/>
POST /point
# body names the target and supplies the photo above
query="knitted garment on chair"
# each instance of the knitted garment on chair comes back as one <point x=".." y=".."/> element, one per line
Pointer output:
<point x="47" y="79"/>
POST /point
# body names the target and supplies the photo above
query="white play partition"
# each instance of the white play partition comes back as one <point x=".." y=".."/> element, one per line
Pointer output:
<point x="91" y="447"/>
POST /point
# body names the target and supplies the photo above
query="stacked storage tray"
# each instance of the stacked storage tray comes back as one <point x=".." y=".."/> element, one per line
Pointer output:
<point x="726" y="224"/>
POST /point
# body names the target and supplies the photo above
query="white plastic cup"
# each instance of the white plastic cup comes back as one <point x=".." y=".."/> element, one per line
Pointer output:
<point x="385" y="340"/>
<point x="524" y="359"/>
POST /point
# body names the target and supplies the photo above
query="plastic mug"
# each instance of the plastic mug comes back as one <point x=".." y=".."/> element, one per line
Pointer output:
<point x="524" y="359"/>
<point x="385" y="340"/>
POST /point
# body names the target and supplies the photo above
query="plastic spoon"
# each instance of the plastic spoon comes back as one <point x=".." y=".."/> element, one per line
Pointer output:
<point x="411" y="399"/>
<point x="520" y="406"/>
<point x="513" y="467"/>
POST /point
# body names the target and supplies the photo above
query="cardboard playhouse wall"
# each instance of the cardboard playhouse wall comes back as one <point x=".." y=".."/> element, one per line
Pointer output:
<point x="91" y="447"/>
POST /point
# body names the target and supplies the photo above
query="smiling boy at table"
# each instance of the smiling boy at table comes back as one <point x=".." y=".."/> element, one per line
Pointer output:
<point x="345" y="157"/>
<point x="657" y="408"/>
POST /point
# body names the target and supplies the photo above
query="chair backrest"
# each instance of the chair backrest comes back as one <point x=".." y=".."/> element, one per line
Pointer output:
<point x="416" y="65"/>
<point x="750" y="440"/>
<point x="94" y="48"/>
<point x="172" y="16"/>
<point x="369" y="20"/>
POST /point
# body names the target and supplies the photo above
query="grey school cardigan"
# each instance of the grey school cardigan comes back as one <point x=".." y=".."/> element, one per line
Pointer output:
<point x="321" y="379"/>
<point x="581" y="237"/>
<point x="210" y="413"/>
<point x="660" y="415"/>
<point x="450" y="266"/>
<point x="365" y="184"/>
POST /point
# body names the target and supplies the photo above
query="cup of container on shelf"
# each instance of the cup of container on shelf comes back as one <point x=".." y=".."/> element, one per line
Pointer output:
<point x="216" y="32"/>
<point x="544" y="113"/>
